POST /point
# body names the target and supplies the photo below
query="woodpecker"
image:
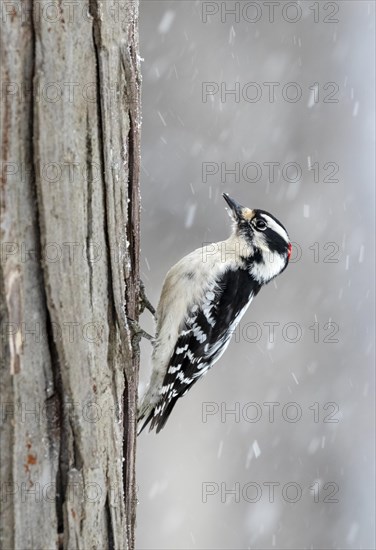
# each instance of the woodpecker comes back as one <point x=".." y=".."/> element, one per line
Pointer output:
<point x="203" y="298"/>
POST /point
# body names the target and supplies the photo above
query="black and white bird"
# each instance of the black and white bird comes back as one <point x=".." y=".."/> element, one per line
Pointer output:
<point x="203" y="298"/>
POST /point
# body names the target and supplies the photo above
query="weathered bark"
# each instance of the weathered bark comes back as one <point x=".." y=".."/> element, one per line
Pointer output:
<point x="69" y="273"/>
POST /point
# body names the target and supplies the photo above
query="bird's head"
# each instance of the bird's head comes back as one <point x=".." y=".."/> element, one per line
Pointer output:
<point x="267" y="242"/>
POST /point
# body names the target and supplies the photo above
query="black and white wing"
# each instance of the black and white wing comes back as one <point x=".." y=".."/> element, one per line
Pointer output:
<point x="204" y="337"/>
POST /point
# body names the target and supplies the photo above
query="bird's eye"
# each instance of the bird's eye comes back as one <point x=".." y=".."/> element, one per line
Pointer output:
<point x="260" y="225"/>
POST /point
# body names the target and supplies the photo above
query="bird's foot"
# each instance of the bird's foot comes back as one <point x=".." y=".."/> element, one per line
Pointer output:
<point x="137" y="331"/>
<point x="144" y="300"/>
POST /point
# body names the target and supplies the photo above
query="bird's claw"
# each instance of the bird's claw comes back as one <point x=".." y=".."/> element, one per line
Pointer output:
<point x="138" y="331"/>
<point x="144" y="300"/>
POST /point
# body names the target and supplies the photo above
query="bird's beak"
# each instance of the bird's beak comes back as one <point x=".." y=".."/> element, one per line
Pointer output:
<point x="236" y="208"/>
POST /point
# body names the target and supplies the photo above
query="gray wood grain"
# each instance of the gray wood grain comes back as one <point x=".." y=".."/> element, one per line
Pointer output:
<point x="69" y="276"/>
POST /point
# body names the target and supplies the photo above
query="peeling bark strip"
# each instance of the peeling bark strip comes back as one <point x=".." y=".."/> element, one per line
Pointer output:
<point x="69" y="274"/>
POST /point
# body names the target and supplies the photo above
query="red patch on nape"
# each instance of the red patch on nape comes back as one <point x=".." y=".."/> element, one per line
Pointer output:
<point x="289" y="250"/>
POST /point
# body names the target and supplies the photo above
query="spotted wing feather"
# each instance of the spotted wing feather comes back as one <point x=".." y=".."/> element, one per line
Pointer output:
<point x="204" y="337"/>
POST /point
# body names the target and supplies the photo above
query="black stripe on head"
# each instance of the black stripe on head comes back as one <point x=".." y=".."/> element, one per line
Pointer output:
<point x="270" y="216"/>
<point x="275" y="242"/>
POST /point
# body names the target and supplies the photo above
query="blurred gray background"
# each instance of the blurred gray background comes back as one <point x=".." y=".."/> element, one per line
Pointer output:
<point x="328" y="453"/>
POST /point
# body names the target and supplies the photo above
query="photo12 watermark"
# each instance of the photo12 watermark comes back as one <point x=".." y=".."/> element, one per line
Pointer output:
<point x="55" y="172"/>
<point x="251" y="492"/>
<point x="270" y="171"/>
<point x="76" y="491"/>
<point x="24" y="332"/>
<point x="235" y="12"/>
<point x="65" y="92"/>
<point x="270" y="92"/>
<point x="327" y="252"/>
<point x="271" y="412"/>
<point x="65" y="12"/>
<point x="37" y="413"/>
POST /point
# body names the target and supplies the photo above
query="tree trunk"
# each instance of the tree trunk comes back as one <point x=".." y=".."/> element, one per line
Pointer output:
<point x="69" y="273"/>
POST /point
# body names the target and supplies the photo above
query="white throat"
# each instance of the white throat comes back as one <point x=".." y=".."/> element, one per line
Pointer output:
<point x="272" y="265"/>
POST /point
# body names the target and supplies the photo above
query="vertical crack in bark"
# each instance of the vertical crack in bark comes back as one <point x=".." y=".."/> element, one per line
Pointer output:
<point x="110" y="527"/>
<point x="5" y="145"/>
<point x="133" y="148"/>
<point x="129" y="61"/>
<point x="7" y="524"/>
<point x="125" y="431"/>
<point x="90" y="177"/>
<point x="54" y="402"/>
<point x="56" y="433"/>
<point x="113" y="313"/>
<point x="131" y="308"/>
<point x="130" y="224"/>
<point x="93" y="12"/>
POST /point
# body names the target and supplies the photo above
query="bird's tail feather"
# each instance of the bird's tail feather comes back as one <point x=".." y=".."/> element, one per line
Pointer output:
<point x="142" y="423"/>
<point x="157" y="415"/>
